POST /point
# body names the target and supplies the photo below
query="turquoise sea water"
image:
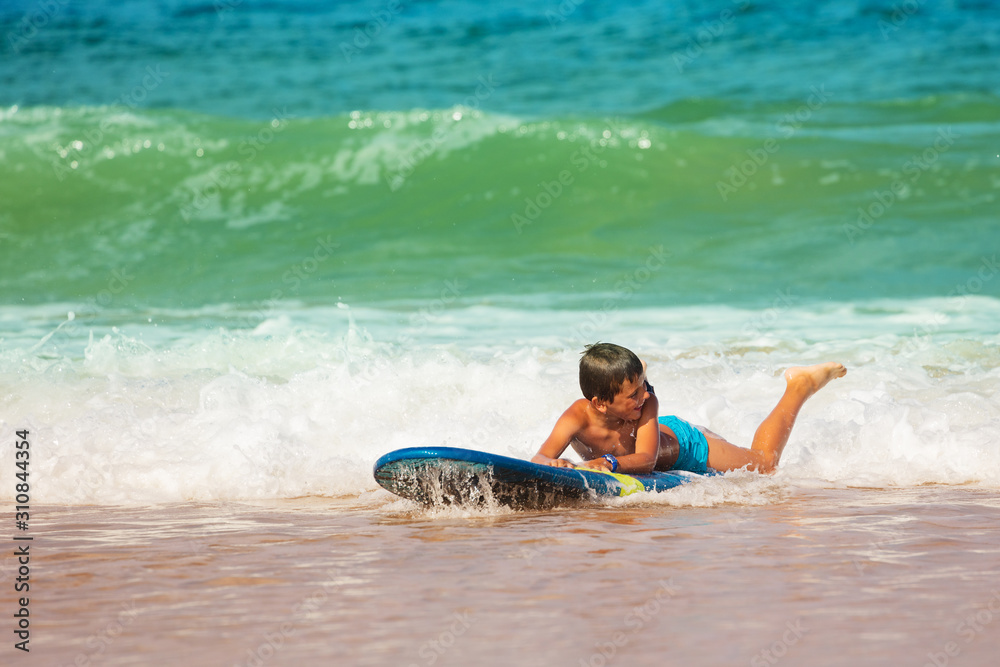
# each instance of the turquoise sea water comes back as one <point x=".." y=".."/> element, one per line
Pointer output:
<point x="210" y="206"/>
<point x="726" y="203"/>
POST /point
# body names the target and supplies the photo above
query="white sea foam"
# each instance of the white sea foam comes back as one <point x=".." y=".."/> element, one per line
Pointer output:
<point x="163" y="411"/>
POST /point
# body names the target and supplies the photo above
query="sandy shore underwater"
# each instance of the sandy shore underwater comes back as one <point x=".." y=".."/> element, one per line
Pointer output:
<point x="817" y="577"/>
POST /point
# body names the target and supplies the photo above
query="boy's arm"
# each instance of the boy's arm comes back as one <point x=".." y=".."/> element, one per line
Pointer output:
<point x="647" y="444"/>
<point x="647" y="441"/>
<point x="566" y="428"/>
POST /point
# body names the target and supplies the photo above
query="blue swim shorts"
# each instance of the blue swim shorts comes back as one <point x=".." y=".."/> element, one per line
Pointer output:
<point x="694" y="446"/>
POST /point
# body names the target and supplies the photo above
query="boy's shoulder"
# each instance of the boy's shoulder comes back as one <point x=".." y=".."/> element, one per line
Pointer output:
<point x="577" y="415"/>
<point x="579" y="409"/>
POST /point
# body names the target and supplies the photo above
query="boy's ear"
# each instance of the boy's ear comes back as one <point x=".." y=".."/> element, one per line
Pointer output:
<point x="599" y="405"/>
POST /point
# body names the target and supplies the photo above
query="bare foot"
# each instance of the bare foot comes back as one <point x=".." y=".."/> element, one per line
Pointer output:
<point x="813" y="378"/>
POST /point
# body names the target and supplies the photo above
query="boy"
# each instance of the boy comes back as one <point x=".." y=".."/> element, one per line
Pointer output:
<point x="615" y="427"/>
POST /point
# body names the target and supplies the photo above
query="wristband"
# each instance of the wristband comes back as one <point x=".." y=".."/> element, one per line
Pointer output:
<point x="613" y="461"/>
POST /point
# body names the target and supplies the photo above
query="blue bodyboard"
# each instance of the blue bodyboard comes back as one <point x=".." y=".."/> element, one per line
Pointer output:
<point x="454" y="476"/>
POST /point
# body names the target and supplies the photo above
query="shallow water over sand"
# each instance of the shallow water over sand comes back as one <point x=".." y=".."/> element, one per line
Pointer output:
<point x="813" y="576"/>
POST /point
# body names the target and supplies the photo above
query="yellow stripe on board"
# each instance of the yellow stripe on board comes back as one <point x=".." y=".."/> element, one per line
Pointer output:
<point x="630" y="485"/>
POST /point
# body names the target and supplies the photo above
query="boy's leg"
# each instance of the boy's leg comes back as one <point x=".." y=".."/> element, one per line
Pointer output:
<point x="724" y="455"/>
<point x="772" y="434"/>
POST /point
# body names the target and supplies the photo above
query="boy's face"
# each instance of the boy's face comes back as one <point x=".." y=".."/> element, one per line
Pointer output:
<point x="628" y="401"/>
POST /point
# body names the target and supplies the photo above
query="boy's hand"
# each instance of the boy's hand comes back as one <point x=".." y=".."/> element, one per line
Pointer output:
<point x="560" y="463"/>
<point x="601" y="463"/>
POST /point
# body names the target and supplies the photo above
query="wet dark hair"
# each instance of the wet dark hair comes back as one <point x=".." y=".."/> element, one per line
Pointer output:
<point x="604" y="368"/>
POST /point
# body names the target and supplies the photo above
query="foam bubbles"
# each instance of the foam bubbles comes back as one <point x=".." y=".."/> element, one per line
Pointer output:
<point x="166" y="407"/>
